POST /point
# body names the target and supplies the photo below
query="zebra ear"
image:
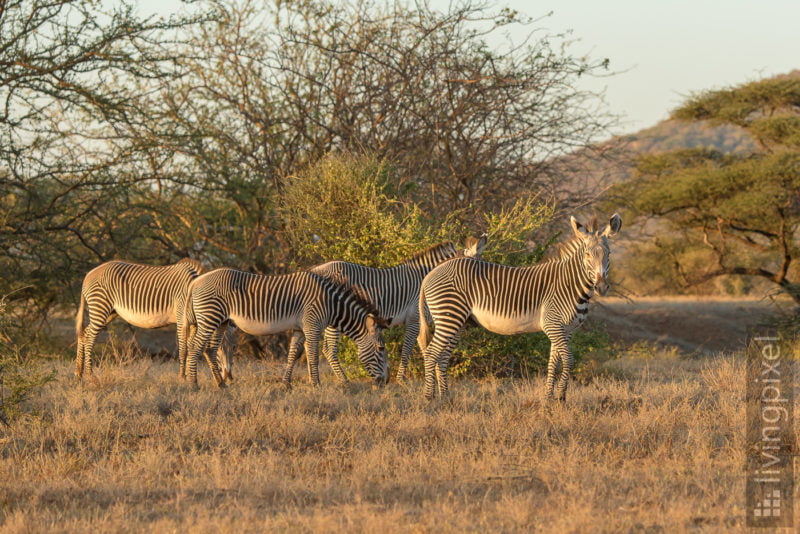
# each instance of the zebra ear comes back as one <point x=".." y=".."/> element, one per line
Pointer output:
<point x="370" y="321"/>
<point x="577" y="227"/>
<point x="614" y="225"/>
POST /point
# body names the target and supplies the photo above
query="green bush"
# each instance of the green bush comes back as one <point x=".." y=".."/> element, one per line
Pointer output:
<point x="349" y="207"/>
<point x="483" y="353"/>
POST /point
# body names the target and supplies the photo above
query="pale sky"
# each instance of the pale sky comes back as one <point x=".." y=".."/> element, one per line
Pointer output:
<point x="663" y="50"/>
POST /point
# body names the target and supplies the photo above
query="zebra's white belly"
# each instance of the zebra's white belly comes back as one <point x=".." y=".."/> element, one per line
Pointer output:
<point x="515" y="324"/>
<point x="261" y="328"/>
<point x="146" y="320"/>
<point x="402" y="317"/>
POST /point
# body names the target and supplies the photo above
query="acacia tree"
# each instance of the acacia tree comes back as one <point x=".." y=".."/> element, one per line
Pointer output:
<point x="276" y="86"/>
<point x="742" y="210"/>
<point x="71" y="76"/>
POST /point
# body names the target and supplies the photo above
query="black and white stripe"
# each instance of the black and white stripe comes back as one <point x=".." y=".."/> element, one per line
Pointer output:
<point x="145" y="296"/>
<point x="261" y="305"/>
<point x="393" y="291"/>
<point x="551" y="296"/>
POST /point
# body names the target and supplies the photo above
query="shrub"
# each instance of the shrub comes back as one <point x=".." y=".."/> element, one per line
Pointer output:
<point x="349" y="207"/>
<point x="20" y="377"/>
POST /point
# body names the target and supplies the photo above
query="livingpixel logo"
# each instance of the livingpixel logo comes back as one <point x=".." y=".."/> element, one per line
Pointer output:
<point x="769" y="484"/>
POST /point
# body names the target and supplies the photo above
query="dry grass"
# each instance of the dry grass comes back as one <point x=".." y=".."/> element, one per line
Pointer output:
<point x="137" y="451"/>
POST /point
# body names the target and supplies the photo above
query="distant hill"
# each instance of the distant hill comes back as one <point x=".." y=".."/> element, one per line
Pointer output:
<point x="588" y="172"/>
<point x="596" y="168"/>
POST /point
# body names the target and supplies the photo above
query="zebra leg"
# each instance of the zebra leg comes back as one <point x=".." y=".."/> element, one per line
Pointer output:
<point x="99" y="316"/>
<point x="83" y="361"/>
<point x="183" y="344"/>
<point x="199" y="342"/>
<point x="295" y="350"/>
<point x="409" y="340"/>
<point x="188" y="336"/>
<point x="225" y="350"/>
<point x="79" y="358"/>
<point x="441" y="375"/>
<point x="211" y="355"/>
<point x="437" y="358"/>
<point x="312" y="356"/>
<point x="330" y="348"/>
<point x="558" y="349"/>
<point x="566" y="369"/>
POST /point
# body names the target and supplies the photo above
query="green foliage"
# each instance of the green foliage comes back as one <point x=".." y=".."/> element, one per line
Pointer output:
<point x="481" y="353"/>
<point x="779" y="130"/>
<point x="512" y="231"/>
<point x="347" y="207"/>
<point x="721" y="214"/>
<point x="742" y="104"/>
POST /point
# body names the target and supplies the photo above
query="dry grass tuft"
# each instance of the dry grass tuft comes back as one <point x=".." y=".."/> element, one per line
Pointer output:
<point x="138" y="451"/>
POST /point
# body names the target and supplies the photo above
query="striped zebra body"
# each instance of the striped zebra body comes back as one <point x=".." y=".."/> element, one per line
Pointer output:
<point x="145" y="296"/>
<point x="551" y="296"/>
<point x="261" y="305"/>
<point x="393" y="292"/>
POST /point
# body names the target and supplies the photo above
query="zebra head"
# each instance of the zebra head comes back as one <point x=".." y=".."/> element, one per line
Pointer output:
<point x="372" y="349"/>
<point x="596" y="249"/>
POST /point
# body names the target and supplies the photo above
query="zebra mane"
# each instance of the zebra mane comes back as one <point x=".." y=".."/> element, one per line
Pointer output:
<point x="194" y="263"/>
<point x="562" y="251"/>
<point x="430" y="251"/>
<point x="357" y="293"/>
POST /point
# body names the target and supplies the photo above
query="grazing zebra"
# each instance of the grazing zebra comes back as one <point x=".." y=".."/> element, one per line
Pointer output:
<point x="260" y="305"/>
<point x="143" y="295"/>
<point x="394" y="292"/>
<point x="551" y="296"/>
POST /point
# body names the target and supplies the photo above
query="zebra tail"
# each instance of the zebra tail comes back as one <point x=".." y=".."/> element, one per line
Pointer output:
<point x="79" y="317"/>
<point x="188" y="318"/>
<point x="424" y="336"/>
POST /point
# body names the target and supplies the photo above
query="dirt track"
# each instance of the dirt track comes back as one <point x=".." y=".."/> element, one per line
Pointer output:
<point x="706" y="325"/>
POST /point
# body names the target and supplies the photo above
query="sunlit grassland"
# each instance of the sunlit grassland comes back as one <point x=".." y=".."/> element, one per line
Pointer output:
<point x="651" y="443"/>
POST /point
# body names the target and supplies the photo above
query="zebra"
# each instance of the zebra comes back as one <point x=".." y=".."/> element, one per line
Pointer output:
<point x="551" y="296"/>
<point x="145" y="296"/>
<point x="393" y="291"/>
<point x="260" y="305"/>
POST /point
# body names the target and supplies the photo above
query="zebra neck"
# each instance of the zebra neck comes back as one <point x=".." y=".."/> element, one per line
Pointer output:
<point x="424" y="264"/>
<point x="580" y="283"/>
<point x="345" y="316"/>
<point x="349" y="324"/>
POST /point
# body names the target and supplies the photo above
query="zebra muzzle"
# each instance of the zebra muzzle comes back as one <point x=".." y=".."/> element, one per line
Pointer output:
<point x="601" y="285"/>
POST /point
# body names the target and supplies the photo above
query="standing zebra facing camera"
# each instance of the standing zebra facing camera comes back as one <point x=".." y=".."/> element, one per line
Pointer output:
<point x="551" y="296"/>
